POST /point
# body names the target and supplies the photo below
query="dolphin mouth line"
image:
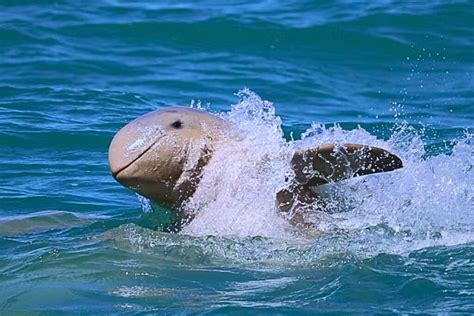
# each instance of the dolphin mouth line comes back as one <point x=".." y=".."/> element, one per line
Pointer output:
<point x="115" y="174"/>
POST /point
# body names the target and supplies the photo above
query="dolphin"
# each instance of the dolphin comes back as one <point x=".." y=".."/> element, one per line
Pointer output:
<point x="161" y="155"/>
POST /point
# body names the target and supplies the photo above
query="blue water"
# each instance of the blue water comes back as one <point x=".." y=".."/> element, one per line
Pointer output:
<point x="395" y="74"/>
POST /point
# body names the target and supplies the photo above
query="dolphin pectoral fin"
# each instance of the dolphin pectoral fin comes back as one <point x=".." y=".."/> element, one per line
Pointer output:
<point x="331" y="162"/>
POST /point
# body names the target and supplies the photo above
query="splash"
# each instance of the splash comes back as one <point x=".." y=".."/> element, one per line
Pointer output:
<point x="427" y="203"/>
<point x="236" y="194"/>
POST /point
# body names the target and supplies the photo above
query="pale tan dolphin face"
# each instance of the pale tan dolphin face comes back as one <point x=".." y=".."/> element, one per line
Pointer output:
<point x="160" y="154"/>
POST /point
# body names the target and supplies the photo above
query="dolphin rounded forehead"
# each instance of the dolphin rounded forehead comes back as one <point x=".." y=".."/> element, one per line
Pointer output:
<point x="166" y="115"/>
<point x="174" y="124"/>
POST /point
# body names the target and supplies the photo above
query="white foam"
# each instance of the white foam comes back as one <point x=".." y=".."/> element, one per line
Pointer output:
<point x="236" y="195"/>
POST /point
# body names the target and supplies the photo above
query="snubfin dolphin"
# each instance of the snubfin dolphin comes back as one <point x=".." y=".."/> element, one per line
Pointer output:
<point x="160" y="155"/>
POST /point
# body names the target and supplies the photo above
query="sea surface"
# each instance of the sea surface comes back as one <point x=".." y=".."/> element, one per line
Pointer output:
<point x="395" y="74"/>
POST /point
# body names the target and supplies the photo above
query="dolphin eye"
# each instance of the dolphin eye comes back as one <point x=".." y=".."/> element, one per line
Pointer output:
<point x="177" y="124"/>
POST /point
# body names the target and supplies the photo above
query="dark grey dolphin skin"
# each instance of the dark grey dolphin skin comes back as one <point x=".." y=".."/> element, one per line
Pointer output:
<point x="160" y="155"/>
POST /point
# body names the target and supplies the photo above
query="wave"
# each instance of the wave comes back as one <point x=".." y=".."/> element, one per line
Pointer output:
<point x="36" y="222"/>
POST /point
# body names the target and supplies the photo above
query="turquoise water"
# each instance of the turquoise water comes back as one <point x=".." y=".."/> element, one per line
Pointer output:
<point x="395" y="74"/>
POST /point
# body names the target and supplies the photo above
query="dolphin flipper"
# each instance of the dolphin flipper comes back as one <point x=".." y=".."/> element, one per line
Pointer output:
<point x="330" y="162"/>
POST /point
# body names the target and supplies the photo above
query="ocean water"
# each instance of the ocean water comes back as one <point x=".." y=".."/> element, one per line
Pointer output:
<point x="396" y="74"/>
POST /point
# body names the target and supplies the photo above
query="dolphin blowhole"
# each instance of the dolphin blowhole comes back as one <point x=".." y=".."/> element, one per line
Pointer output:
<point x="177" y="124"/>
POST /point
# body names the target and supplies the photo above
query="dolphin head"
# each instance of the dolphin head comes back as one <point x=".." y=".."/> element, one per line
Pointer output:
<point x="160" y="154"/>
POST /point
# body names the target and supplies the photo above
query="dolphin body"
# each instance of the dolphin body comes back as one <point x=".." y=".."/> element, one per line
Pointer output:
<point x="161" y="155"/>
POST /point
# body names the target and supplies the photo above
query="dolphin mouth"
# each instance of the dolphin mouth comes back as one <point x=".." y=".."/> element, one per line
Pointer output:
<point x="116" y="173"/>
